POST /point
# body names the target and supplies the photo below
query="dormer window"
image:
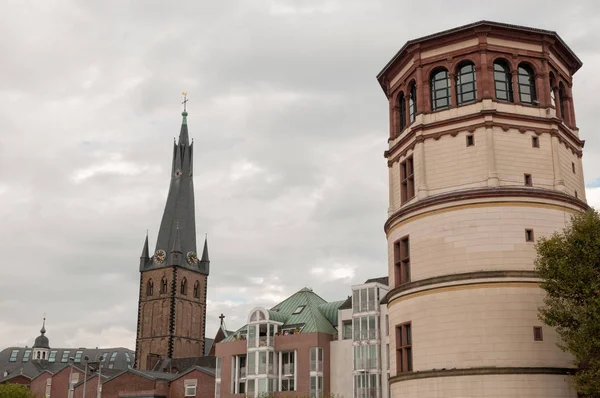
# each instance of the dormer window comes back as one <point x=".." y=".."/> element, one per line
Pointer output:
<point x="298" y="310"/>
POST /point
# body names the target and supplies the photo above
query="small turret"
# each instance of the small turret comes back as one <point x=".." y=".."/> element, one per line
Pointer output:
<point x="41" y="346"/>
<point x="145" y="257"/>
<point x="204" y="264"/>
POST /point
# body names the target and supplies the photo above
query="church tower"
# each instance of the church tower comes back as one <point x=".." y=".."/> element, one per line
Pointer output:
<point x="172" y="300"/>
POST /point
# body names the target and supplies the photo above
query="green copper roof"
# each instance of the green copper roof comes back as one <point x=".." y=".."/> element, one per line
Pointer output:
<point x="307" y="309"/>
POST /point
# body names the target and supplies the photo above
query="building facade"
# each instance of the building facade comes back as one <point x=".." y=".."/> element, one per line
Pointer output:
<point x="484" y="157"/>
<point x="173" y="281"/>
<point x="284" y="350"/>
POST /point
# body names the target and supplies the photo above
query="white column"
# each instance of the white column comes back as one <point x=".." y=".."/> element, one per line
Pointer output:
<point x="559" y="182"/>
<point x="492" y="179"/>
<point x="423" y="190"/>
<point x="295" y="370"/>
<point x="235" y="375"/>
<point x="280" y="366"/>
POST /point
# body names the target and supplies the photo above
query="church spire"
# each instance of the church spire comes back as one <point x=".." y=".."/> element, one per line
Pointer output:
<point x="145" y="256"/>
<point x="179" y="219"/>
<point x="204" y="261"/>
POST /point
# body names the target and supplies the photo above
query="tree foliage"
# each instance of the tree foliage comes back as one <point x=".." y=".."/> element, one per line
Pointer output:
<point x="568" y="263"/>
<point x="15" y="391"/>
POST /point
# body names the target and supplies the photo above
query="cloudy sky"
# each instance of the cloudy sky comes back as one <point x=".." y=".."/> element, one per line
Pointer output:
<point x="289" y="124"/>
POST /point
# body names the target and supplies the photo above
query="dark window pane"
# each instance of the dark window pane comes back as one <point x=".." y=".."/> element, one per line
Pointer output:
<point x="526" y="98"/>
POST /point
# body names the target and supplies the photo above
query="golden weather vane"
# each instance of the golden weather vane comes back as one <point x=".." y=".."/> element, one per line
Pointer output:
<point x="185" y="100"/>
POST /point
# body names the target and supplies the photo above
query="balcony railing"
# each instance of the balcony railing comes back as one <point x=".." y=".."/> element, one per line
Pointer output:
<point x="288" y="369"/>
<point x="369" y="392"/>
<point x="262" y="369"/>
<point x="316" y="366"/>
<point x="242" y="372"/>
<point x="365" y="363"/>
<point x="263" y="341"/>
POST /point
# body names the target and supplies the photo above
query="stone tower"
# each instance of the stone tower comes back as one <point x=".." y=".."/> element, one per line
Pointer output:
<point x="484" y="157"/>
<point x="172" y="301"/>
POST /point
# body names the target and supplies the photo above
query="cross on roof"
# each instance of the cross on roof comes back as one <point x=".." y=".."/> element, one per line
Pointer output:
<point x="222" y="317"/>
<point x="185" y="100"/>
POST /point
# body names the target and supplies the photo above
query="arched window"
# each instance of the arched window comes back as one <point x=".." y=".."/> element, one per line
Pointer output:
<point x="38" y="355"/>
<point x="183" y="287"/>
<point x="44" y="355"/>
<point x="503" y="81"/>
<point x="440" y="90"/>
<point x="552" y="95"/>
<point x="150" y="288"/>
<point x="526" y="80"/>
<point x="163" y="285"/>
<point x="196" y="289"/>
<point x="466" y="84"/>
<point x="412" y="102"/>
<point x="562" y="101"/>
<point x="401" y="112"/>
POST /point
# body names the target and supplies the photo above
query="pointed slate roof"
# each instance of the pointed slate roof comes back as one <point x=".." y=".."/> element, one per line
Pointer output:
<point x="178" y="226"/>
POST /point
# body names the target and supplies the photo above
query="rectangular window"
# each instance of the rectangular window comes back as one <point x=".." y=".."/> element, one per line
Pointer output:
<point x="26" y="355"/>
<point x="363" y="300"/>
<point x="470" y="140"/>
<point x="13" y="356"/>
<point x="218" y="389"/>
<point x="356" y="329"/>
<point x="576" y="195"/>
<point x="529" y="235"/>
<point x="347" y="333"/>
<point x="316" y="386"/>
<point x="372" y="330"/>
<point x="528" y="180"/>
<point x="316" y="359"/>
<point x="404" y="348"/>
<point x="65" y="357"/>
<point x="218" y="367"/>
<point x="190" y="390"/>
<point x="387" y="325"/>
<point x="355" y="301"/>
<point x="535" y="142"/>
<point x="537" y="333"/>
<point x="52" y="356"/>
<point x="407" y="180"/>
<point x="573" y="167"/>
<point x="298" y="309"/>
<point x="252" y="363"/>
<point x="78" y="355"/>
<point x="251" y="386"/>
<point x="387" y="354"/>
<point x="372" y="301"/>
<point x="402" y="261"/>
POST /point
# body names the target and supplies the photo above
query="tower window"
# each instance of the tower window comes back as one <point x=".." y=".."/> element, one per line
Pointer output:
<point x="407" y="176"/>
<point x="440" y="90"/>
<point x="535" y="141"/>
<point x="402" y="261"/>
<point x="470" y="140"/>
<point x="576" y="194"/>
<point x="529" y="235"/>
<point x="196" y="289"/>
<point x="150" y="288"/>
<point x="573" y="167"/>
<point x="528" y="180"/>
<point x="404" y="348"/>
<point x="466" y="86"/>
<point x="184" y="287"/>
<point x="401" y="112"/>
<point x="526" y="80"/>
<point x="412" y="102"/>
<point x="503" y="81"/>
<point x="163" y="285"/>
<point x="537" y="333"/>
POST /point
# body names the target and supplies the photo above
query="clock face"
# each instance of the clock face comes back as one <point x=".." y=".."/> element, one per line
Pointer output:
<point x="159" y="256"/>
<point x="192" y="258"/>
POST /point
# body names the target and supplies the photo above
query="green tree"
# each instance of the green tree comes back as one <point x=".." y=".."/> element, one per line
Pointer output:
<point x="15" y="391"/>
<point x="568" y="262"/>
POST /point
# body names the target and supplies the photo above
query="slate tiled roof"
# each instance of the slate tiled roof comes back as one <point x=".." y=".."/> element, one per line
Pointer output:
<point x="32" y="368"/>
<point x="317" y="315"/>
<point x="384" y="280"/>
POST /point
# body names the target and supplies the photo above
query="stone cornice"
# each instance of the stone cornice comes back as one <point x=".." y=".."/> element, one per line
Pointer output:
<point x="467" y="276"/>
<point x="481" y="371"/>
<point x="418" y="132"/>
<point x="483" y="193"/>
